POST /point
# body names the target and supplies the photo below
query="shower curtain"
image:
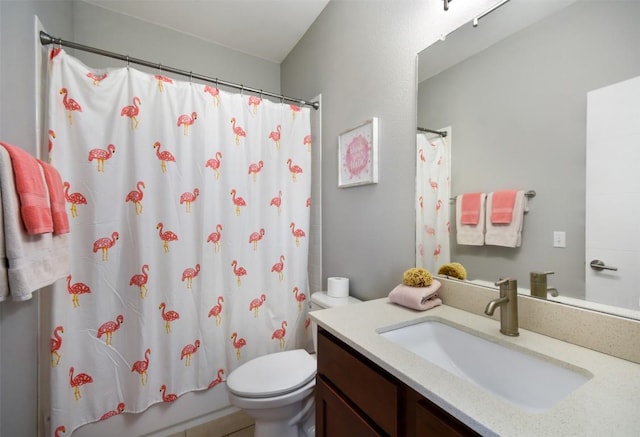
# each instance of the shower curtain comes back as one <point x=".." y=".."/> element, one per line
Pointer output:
<point x="189" y="209"/>
<point x="433" y="189"/>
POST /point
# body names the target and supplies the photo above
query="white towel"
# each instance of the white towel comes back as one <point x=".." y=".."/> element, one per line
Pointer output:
<point x="29" y="262"/>
<point x="510" y="234"/>
<point x="470" y="235"/>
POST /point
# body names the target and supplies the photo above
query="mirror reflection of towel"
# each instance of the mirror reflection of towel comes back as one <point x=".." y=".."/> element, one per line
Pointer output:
<point x="509" y="234"/>
<point x="471" y="206"/>
<point x="470" y="235"/>
<point x="502" y="206"/>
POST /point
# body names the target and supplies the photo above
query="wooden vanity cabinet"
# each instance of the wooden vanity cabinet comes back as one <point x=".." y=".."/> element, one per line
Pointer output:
<point x="357" y="398"/>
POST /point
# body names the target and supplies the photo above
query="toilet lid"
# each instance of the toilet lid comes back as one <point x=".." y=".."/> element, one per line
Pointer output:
<point x="273" y="374"/>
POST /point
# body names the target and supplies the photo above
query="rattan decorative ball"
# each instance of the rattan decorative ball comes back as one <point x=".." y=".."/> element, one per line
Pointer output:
<point x="417" y="277"/>
<point x="455" y="270"/>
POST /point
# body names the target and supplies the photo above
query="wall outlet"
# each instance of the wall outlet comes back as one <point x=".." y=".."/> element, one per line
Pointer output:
<point x="559" y="239"/>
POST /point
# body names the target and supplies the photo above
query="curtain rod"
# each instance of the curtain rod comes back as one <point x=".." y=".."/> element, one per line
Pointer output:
<point x="441" y="133"/>
<point x="46" y="39"/>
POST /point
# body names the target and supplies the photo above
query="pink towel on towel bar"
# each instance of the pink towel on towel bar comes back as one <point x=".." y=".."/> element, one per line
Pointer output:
<point x="417" y="298"/>
<point x="502" y="208"/>
<point x="470" y="214"/>
<point x="56" y="198"/>
<point x="34" y="206"/>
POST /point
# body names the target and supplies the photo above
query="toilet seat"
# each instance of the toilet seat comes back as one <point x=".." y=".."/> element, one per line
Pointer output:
<point x="254" y="379"/>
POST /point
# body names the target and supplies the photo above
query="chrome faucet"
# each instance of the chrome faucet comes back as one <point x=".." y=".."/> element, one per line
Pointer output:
<point x="508" y="303"/>
<point x="539" y="285"/>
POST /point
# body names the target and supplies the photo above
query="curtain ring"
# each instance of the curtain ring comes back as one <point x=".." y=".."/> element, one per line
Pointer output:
<point x="216" y="83"/>
<point x="281" y="99"/>
<point x="260" y="94"/>
<point x="127" y="61"/>
<point x="190" y="77"/>
<point x="241" y="90"/>
<point x="160" y="68"/>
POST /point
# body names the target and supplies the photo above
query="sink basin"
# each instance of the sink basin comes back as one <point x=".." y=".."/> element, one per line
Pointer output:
<point x="528" y="381"/>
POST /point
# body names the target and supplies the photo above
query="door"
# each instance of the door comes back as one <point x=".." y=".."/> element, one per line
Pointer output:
<point x="613" y="194"/>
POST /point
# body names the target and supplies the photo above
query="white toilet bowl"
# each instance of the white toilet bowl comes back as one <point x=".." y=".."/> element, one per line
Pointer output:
<point x="277" y="390"/>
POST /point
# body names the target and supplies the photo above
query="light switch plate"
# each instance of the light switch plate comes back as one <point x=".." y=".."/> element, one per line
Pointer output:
<point x="559" y="239"/>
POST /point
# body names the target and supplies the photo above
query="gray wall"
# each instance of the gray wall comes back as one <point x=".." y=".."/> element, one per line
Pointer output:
<point x="518" y="112"/>
<point x="362" y="57"/>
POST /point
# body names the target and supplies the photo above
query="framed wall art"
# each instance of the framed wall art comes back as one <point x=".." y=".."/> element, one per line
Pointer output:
<point x="358" y="155"/>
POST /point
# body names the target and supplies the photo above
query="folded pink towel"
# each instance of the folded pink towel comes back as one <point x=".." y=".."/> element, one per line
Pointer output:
<point x="502" y="209"/>
<point x="418" y="298"/>
<point x="56" y="198"/>
<point x="34" y="206"/>
<point x="470" y="208"/>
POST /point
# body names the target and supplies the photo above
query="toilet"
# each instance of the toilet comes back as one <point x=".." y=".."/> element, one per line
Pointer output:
<point x="276" y="390"/>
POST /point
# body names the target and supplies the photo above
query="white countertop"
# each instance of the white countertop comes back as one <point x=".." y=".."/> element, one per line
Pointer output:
<point x="606" y="405"/>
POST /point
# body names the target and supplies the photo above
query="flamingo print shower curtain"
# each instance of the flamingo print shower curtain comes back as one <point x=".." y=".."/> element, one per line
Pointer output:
<point x="189" y="209"/>
<point x="433" y="189"/>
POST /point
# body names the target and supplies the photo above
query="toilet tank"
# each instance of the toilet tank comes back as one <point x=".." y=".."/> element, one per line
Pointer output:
<point x="321" y="300"/>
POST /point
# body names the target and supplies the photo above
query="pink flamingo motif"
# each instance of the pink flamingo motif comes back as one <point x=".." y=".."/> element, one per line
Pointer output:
<point x="163" y="156"/>
<point x="96" y="78"/>
<point x="74" y="199"/>
<point x="189" y="350"/>
<point x="277" y="201"/>
<point x="166" y="236"/>
<point x="294" y="169"/>
<point x="422" y="157"/>
<point x="136" y="196"/>
<point x="434" y="185"/>
<point x="132" y="112"/>
<point x="438" y="205"/>
<point x="167" y="397"/>
<point x="187" y="120"/>
<point x="256" y="304"/>
<point x="429" y="230"/>
<point x="279" y="268"/>
<point x="55" y="51"/>
<point x="307" y="323"/>
<point x="280" y="333"/>
<point x="59" y="429"/>
<point x="307" y="142"/>
<point x="188" y="198"/>
<point x="214" y="164"/>
<point x="216" y="310"/>
<point x="108" y="328"/>
<point x="421" y="202"/>
<point x="308" y="202"/>
<point x="218" y="380"/>
<point x="56" y="344"/>
<point x="238" y="131"/>
<point x="141" y="366"/>
<point x="69" y="104"/>
<point x="300" y="297"/>
<point x="52" y="136"/>
<point x="238" y="271"/>
<point x="275" y="136"/>
<point x="255" y="237"/>
<point x="237" y="201"/>
<point x="101" y="155"/>
<point x="437" y="252"/>
<point x="119" y="410"/>
<point x="238" y="343"/>
<point x="168" y="317"/>
<point x="104" y="244"/>
<point x="255" y="168"/>
<point x="297" y="233"/>
<point x="141" y="281"/>
<point x="254" y="102"/>
<point x="294" y="109"/>
<point x="215" y="237"/>
<point x="215" y="92"/>
<point x="162" y="80"/>
<point x="75" y="290"/>
<point x="449" y="227"/>
<point x="190" y="273"/>
<point x="77" y="381"/>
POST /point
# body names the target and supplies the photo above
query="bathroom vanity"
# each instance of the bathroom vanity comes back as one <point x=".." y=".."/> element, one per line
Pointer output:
<point x="355" y="397"/>
<point x="369" y="385"/>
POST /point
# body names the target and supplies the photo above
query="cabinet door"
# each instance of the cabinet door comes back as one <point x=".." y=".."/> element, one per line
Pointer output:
<point x="335" y="417"/>
<point x="431" y="421"/>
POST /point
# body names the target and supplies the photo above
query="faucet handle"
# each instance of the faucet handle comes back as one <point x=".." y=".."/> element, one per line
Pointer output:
<point x="501" y="281"/>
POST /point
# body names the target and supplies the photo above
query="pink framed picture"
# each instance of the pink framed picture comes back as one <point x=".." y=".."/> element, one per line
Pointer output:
<point x="358" y="155"/>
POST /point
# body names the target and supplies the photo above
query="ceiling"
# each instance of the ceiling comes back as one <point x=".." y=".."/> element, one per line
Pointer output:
<point x="267" y="29"/>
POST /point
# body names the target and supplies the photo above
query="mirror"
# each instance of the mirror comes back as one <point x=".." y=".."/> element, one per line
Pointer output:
<point x="513" y="91"/>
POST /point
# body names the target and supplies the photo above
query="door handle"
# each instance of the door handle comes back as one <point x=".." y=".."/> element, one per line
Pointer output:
<point x="598" y="265"/>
